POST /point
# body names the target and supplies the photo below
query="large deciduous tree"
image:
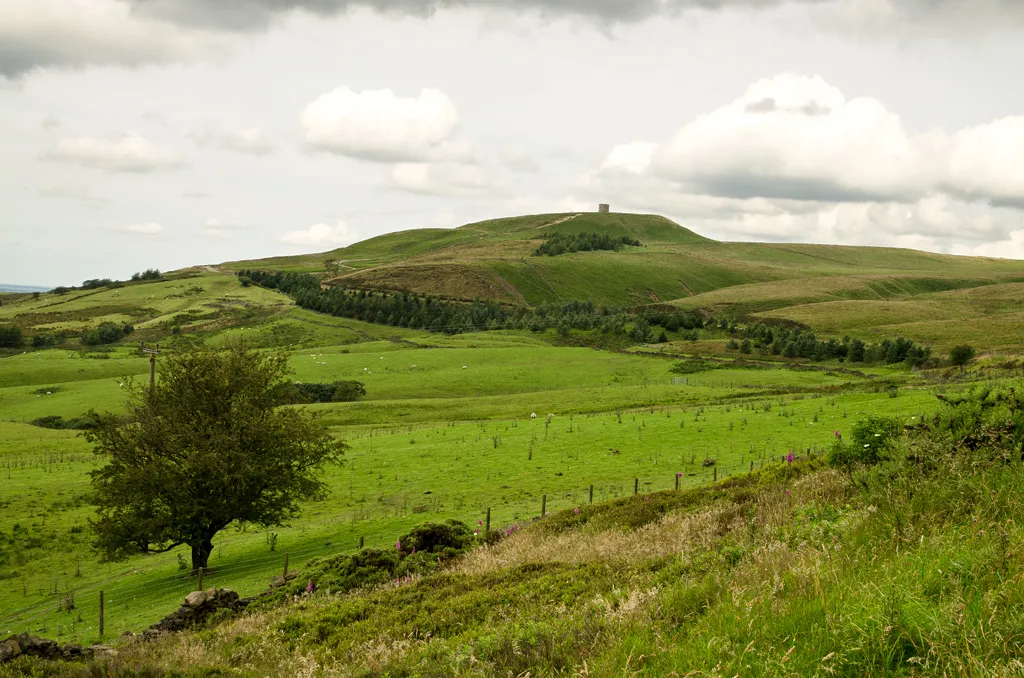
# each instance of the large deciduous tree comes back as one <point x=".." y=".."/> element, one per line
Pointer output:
<point x="206" y="446"/>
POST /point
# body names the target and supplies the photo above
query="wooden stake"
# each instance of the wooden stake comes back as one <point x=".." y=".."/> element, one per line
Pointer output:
<point x="487" y="529"/>
<point x="591" y="494"/>
<point x="544" y="506"/>
<point x="715" y="479"/>
<point x="636" y="486"/>
<point x="677" y="482"/>
<point x="101" y="615"/>
<point x="362" y="540"/>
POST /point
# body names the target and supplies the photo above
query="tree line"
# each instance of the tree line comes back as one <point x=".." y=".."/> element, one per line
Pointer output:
<point x="567" y="243"/>
<point x="415" y="311"/>
<point x="795" y="342"/>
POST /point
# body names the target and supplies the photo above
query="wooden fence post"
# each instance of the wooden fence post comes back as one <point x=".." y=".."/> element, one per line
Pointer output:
<point x="636" y="486"/>
<point x="544" y="506"/>
<point x="362" y="540"/>
<point x="286" y="566"/>
<point x="715" y="479"/>
<point x="101" y="615"/>
<point x="751" y="467"/>
<point x="591" y="493"/>
<point x="487" y="530"/>
<point x="677" y="482"/>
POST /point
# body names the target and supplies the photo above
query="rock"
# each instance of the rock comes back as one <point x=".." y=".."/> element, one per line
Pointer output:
<point x="196" y="599"/>
<point x="278" y="582"/>
<point x="9" y="649"/>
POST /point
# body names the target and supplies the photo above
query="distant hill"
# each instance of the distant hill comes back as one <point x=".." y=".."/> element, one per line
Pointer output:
<point x="21" y="289"/>
<point x="862" y="291"/>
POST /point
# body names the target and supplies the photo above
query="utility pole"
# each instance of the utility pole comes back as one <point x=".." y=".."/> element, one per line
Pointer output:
<point x="153" y="352"/>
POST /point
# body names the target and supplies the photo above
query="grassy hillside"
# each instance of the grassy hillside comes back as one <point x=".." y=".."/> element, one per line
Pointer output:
<point x="904" y="565"/>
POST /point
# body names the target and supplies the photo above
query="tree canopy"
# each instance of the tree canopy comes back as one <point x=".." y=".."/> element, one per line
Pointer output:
<point x="961" y="355"/>
<point x="204" y="447"/>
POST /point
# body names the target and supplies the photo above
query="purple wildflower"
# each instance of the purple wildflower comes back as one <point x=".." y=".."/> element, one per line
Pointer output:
<point x="837" y="434"/>
<point x="789" y="458"/>
<point x="476" y="532"/>
<point x="398" y="544"/>
<point x="309" y="586"/>
<point x="576" y="510"/>
<point x="679" y="474"/>
<point x="480" y="523"/>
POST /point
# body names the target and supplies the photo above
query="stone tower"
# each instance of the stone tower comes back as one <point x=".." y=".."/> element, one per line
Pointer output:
<point x="603" y="208"/>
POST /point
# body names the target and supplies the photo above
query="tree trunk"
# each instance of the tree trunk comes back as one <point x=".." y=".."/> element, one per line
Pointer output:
<point x="201" y="551"/>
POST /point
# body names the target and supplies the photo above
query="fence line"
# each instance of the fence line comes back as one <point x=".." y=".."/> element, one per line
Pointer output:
<point x="546" y="503"/>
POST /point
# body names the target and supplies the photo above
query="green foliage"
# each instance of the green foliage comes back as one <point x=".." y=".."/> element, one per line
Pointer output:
<point x="106" y="333"/>
<point x="420" y="551"/>
<point x="960" y="355"/>
<point x="85" y="422"/>
<point x="567" y="243"/>
<point x="238" y="459"/>
<point x="149" y="274"/>
<point x="329" y="392"/>
<point x="10" y="335"/>
<point x="868" y="444"/>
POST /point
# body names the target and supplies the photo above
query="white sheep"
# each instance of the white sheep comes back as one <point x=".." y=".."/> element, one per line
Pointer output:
<point x="550" y="416"/>
<point x="533" y="415"/>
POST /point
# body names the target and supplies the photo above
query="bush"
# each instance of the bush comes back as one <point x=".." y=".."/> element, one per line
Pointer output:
<point x="329" y="392"/>
<point x="106" y="333"/>
<point x="148" y="274"/>
<point x="869" y="441"/>
<point x="961" y="355"/>
<point x="10" y="336"/>
<point x="82" y="423"/>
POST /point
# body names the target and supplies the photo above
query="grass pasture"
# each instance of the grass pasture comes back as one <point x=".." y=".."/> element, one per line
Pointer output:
<point x="394" y="477"/>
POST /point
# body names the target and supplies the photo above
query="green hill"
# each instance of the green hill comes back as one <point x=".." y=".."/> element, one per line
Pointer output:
<point x="748" y="281"/>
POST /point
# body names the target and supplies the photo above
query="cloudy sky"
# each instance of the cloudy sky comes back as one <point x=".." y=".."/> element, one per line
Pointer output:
<point x="166" y="133"/>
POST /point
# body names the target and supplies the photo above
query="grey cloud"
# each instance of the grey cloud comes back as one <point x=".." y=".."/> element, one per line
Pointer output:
<point x="743" y="186"/>
<point x="244" y="15"/>
<point x="766" y="105"/>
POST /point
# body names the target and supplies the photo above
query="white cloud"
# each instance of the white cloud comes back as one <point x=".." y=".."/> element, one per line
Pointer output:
<point x="248" y="140"/>
<point x="66" y="34"/>
<point x="322" y="235"/>
<point x="150" y="228"/>
<point x="381" y="126"/>
<point x="128" y="153"/>
<point x="794" y="159"/>
<point x="444" y="179"/>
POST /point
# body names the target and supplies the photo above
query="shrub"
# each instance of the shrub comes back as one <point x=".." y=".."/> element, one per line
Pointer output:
<point x="106" y="333"/>
<point x="10" y="336"/>
<point x="961" y="355"/>
<point x="869" y="441"/>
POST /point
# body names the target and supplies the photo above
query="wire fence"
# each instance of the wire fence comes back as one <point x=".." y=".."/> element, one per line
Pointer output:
<point x="251" y="575"/>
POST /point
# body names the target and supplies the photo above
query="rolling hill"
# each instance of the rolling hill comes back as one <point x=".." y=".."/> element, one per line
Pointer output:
<point x="835" y="290"/>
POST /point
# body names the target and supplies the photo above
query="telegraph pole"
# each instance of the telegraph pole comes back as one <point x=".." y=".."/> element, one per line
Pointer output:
<point x="153" y="352"/>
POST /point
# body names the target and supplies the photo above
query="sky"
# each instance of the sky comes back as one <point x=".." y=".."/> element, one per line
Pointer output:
<point x="166" y="133"/>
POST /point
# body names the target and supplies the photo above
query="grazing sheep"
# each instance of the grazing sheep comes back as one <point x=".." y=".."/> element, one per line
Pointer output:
<point x="550" y="416"/>
<point x="533" y="415"/>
